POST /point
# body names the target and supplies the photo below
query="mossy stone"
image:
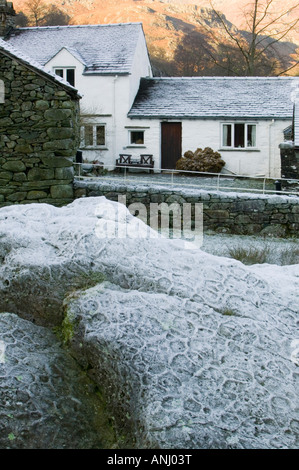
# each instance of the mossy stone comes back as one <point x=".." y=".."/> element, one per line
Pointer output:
<point x="14" y="165"/>
<point x="17" y="197"/>
<point x="64" y="173"/>
<point x="37" y="174"/>
<point x="62" y="191"/>
<point x="60" y="132"/>
<point x="57" y="114"/>
<point x="36" y="195"/>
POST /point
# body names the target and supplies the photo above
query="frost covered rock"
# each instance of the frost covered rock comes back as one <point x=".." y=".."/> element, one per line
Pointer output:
<point x="191" y="376"/>
<point x="46" y="402"/>
<point x="193" y="350"/>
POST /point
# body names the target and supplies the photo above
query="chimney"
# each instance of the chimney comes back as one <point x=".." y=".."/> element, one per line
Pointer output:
<point x="7" y="18"/>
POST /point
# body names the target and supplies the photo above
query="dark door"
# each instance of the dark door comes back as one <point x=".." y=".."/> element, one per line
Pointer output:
<point x="171" y="144"/>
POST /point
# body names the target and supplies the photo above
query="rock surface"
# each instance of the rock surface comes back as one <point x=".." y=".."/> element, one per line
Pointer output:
<point x="192" y="350"/>
<point x="46" y="401"/>
<point x="191" y="376"/>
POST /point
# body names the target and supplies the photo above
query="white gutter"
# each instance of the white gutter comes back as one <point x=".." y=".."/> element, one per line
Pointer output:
<point x="114" y="120"/>
<point x="270" y="148"/>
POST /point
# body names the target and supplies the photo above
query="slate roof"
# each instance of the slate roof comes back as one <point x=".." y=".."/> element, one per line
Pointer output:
<point x="8" y="49"/>
<point x="103" y="49"/>
<point x="215" y="97"/>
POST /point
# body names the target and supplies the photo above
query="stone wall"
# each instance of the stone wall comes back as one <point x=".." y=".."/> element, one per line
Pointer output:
<point x="236" y="213"/>
<point x="289" y="160"/>
<point x="38" y="136"/>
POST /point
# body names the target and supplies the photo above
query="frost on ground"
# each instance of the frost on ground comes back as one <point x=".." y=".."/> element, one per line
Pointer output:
<point x="191" y="350"/>
<point x="254" y="249"/>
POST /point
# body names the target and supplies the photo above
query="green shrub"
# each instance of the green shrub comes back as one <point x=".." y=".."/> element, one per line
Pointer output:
<point x="206" y="161"/>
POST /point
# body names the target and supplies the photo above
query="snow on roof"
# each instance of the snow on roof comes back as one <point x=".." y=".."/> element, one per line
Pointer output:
<point x="12" y="51"/>
<point x="215" y="97"/>
<point x="104" y="49"/>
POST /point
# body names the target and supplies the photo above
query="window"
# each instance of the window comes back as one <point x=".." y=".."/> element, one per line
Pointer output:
<point x="93" y="135"/>
<point x="67" y="74"/>
<point x="136" y="137"/>
<point x="239" y="135"/>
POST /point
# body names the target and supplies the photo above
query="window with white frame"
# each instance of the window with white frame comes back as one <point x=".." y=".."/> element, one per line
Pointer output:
<point x="136" y="137"/>
<point x="67" y="73"/>
<point x="93" y="135"/>
<point x="238" y="135"/>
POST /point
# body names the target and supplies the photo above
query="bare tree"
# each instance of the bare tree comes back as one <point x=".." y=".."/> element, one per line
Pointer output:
<point x="40" y="14"/>
<point x="21" y="19"/>
<point x="55" y="16"/>
<point x="191" y="57"/>
<point x="37" y="10"/>
<point x="266" y="24"/>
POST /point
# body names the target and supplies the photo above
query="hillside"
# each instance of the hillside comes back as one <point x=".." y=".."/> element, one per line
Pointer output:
<point x="176" y="30"/>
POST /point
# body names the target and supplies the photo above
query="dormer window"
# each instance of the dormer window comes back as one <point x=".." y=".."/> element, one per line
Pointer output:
<point x="67" y="73"/>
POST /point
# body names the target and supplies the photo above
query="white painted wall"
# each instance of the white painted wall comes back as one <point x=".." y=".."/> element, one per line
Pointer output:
<point x="141" y="67"/>
<point x="106" y="99"/>
<point x="265" y="161"/>
<point x="96" y="91"/>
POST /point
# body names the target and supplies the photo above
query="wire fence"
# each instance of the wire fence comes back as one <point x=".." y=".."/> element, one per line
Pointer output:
<point x="187" y="179"/>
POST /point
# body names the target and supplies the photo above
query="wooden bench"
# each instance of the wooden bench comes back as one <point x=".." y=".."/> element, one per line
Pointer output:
<point x="126" y="160"/>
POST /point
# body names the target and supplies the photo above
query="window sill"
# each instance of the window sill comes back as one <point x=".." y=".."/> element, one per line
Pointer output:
<point x="241" y="149"/>
<point x="141" y="146"/>
<point x="94" y="148"/>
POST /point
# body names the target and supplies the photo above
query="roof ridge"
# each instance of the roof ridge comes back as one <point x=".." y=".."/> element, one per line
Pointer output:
<point x="77" y="26"/>
<point x="223" y="78"/>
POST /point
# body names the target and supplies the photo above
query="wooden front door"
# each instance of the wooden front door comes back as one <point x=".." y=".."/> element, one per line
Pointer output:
<point x="171" y="144"/>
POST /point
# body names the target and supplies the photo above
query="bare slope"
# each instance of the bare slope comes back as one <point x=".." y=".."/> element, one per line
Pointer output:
<point x="166" y="22"/>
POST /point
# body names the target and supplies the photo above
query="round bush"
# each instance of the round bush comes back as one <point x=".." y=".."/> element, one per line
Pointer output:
<point x="206" y="161"/>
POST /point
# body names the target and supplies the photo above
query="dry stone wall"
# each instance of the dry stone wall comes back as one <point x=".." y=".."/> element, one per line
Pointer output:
<point x="289" y="156"/>
<point x="38" y="136"/>
<point x="236" y="213"/>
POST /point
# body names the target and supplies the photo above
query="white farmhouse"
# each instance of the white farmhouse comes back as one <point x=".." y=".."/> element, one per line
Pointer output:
<point x="242" y="118"/>
<point x="105" y="63"/>
<point x="124" y="110"/>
